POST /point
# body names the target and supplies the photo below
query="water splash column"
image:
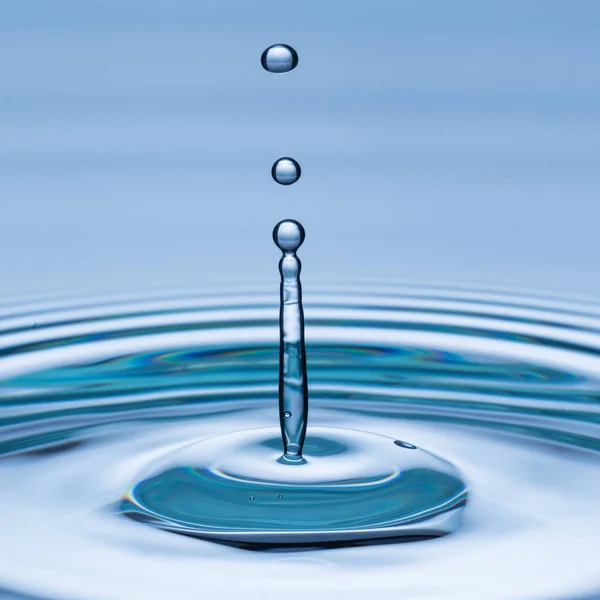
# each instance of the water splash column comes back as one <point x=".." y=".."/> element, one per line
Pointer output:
<point x="288" y="235"/>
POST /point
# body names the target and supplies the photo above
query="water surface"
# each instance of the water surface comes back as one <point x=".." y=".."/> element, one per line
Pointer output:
<point x="503" y="385"/>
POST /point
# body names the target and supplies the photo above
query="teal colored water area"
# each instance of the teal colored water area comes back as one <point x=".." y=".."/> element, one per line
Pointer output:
<point x="160" y="409"/>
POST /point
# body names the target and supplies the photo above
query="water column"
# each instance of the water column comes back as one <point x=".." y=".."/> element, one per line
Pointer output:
<point x="288" y="235"/>
<point x="238" y="487"/>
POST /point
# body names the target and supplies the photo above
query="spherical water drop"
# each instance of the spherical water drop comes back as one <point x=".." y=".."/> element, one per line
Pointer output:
<point x="287" y="414"/>
<point x="251" y="498"/>
<point x="288" y="235"/>
<point x="286" y="171"/>
<point x="279" y="58"/>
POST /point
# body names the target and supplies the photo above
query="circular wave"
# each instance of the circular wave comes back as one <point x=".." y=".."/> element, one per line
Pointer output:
<point x="507" y="387"/>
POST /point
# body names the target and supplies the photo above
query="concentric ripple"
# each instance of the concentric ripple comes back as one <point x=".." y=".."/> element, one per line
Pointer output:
<point x="505" y="386"/>
<point x="351" y="487"/>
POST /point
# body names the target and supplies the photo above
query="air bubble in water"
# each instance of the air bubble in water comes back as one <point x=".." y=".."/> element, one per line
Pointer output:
<point x="286" y="171"/>
<point x="287" y="414"/>
<point x="279" y="58"/>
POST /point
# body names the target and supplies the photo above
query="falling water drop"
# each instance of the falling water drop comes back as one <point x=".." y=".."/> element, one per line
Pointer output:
<point x="286" y="171"/>
<point x="279" y="58"/>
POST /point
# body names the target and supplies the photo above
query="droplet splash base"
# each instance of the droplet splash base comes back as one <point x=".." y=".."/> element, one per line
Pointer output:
<point x="352" y="486"/>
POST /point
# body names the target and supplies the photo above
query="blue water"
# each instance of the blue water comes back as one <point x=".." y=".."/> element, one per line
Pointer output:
<point x="99" y="394"/>
<point x="448" y="143"/>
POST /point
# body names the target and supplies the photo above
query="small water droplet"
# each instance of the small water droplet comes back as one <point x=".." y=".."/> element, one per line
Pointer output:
<point x="286" y="171"/>
<point x="405" y="445"/>
<point x="279" y="58"/>
<point x="251" y="498"/>
<point x="280" y="496"/>
<point x="287" y="414"/>
<point x="288" y="235"/>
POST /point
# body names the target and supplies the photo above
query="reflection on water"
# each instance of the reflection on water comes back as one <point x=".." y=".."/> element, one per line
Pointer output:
<point x="506" y="387"/>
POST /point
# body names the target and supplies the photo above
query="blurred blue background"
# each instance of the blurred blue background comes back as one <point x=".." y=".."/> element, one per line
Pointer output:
<point x="445" y="141"/>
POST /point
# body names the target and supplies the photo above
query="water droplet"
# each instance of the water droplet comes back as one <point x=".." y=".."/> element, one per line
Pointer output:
<point x="251" y="498"/>
<point x="279" y="58"/>
<point x="287" y="414"/>
<point x="405" y="445"/>
<point x="286" y="171"/>
<point x="280" y="496"/>
<point x="288" y="235"/>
